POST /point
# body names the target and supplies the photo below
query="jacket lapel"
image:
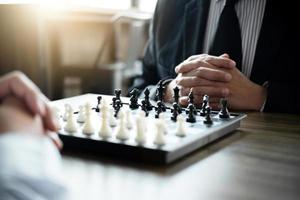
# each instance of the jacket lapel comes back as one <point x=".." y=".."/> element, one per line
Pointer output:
<point x="195" y="18"/>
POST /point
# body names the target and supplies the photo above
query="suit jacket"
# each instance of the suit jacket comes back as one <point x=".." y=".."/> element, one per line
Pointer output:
<point x="177" y="32"/>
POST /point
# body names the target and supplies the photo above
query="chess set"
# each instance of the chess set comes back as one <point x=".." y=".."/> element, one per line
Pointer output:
<point x="141" y="129"/>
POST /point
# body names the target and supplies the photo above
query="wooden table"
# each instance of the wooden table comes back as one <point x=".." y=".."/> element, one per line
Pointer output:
<point x="261" y="160"/>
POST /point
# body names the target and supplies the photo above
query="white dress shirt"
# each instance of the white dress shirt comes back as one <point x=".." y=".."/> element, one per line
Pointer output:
<point x="250" y="14"/>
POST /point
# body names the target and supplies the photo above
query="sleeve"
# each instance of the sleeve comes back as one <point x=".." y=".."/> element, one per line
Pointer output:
<point x="30" y="168"/>
<point x="149" y="75"/>
<point x="283" y="97"/>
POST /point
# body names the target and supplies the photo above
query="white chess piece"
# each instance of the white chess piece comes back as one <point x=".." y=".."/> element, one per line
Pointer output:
<point x="112" y="119"/>
<point x="67" y="107"/>
<point x="163" y="121"/>
<point x="160" y="138"/>
<point x="88" y="128"/>
<point x="142" y="115"/>
<point x="81" y="115"/>
<point x="128" y="119"/>
<point x="105" y="130"/>
<point x="70" y="126"/>
<point x="122" y="132"/>
<point x="141" y="136"/>
<point x="180" y="130"/>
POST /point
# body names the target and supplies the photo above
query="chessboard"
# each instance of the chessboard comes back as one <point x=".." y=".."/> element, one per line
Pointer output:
<point x="125" y="128"/>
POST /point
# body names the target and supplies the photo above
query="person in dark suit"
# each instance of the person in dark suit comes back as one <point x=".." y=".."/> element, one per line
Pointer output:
<point x="262" y="76"/>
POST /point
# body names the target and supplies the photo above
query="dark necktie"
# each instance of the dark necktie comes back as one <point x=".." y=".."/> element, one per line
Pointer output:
<point x="228" y="35"/>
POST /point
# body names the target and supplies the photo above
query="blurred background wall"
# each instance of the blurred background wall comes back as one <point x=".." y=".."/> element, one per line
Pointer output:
<point x="72" y="47"/>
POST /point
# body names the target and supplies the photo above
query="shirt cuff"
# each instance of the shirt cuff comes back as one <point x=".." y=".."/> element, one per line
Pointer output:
<point x="265" y="85"/>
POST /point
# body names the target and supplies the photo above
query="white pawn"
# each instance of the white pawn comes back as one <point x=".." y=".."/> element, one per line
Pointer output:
<point x="128" y="119"/>
<point x="67" y="107"/>
<point x="112" y="119"/>
<point x="88" y="128"/>
<point x="163" y="121"/>
<point x="180" y="130"/>
<point x="122" y="132"/>
<point x="142" y="115"/>
<point x="160" y="138"/>
<point x="81" y="115"/>
<point x="105" y="130"/>
<point x="140" y="130"/>
<point x="70" y="126"/>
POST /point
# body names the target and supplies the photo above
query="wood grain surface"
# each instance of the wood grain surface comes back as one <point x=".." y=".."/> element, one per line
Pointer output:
<point x="260" y="160"/>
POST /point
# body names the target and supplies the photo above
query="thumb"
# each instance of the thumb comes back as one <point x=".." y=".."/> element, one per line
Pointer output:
<point x="225" y="55"/>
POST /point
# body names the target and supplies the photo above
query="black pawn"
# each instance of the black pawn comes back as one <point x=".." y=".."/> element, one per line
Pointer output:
<point x="118" y="105"/>
<point x="191" y="103"/>
<point x="159" y="109"/>
<point x="118" y="94"/>
<point x="191" y="114"/>
<point x="175" y="112"/>
<point x="224" y="114"/>
<point x="117" y="97"/>
<point x="134" y="99"/>
<point x="205" y="102"/>
<point x="160" y="92"/>
<point x="208" y="119"/>
<point x="144" y="108"/>
<point x="98" y="103"/>
<point x="147" y="100"/>
<point x="114" y="103"/>
<point x="176" y="94"/>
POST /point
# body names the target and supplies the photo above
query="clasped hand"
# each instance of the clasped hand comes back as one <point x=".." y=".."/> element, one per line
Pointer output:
<point x="217" y="77"/>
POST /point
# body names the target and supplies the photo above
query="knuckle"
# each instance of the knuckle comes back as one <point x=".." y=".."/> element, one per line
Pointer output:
<point x="179" y="80"/>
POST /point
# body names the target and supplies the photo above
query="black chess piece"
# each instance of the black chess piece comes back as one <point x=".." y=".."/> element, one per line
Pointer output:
<point x="205" y="103"/>
<point x="191" y="103"/>
<point x="134" y="99"/>
<point x="176" y="95"/>
<point x="175" y="111"/>
<point x="147" y="100"/>
<point x="98" y="103"/>
<point x="191" y="114"/>
<point x="159" y="108"/>
<point x="114" y="102"/>
<point x="118" y="94"/>
<point x="144" y="107"/>
<point x="208" y="119"/>
<point x="160" y="92"/>
<point x="191" y="97"/>
<point x="224" y="114"/>
<point x="118" y="105"/>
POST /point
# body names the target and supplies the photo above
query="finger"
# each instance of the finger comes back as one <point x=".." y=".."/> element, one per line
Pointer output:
<point x="199" y="98"/>
<point x="49" y="120"/>
<point x="34" y="102"/>
<point x="225" y="55"/>
<point x="211" y="91"/>
<point x="183" y="101"/>
<point x="221" y="61"/>
<point x="215" y="106"/>
<point x="213" y="74"/>
<point x="194" y="81"/>
<point x="184" y="91"/>
<point x="188" y="66"/>
<point x="20" y="86"/>
<point x="55" y="139"/>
